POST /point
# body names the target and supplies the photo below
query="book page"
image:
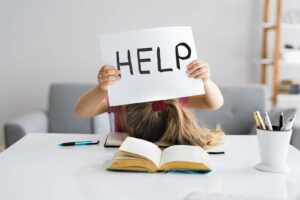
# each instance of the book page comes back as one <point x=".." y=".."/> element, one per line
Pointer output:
<point x="184" y="153"/>
<point x="115" y="139"/>
<point x="143" y="148"/>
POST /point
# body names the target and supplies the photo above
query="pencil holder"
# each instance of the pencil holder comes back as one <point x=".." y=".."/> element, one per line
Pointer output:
<point x="273" y="149"/>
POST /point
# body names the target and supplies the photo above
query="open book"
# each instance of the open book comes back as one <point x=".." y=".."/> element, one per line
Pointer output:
<point x="140" y="155"/>
<point x="115" y="139"/>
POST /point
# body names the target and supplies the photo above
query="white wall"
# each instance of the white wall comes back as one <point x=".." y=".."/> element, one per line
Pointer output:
<point x="46" y="41"/>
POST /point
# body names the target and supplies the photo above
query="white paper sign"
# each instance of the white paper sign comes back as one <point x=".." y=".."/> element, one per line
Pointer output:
<point x="153" y="64"/>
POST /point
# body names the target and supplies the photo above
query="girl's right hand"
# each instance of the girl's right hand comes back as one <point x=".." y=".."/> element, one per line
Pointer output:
<point x="107" y="75"/>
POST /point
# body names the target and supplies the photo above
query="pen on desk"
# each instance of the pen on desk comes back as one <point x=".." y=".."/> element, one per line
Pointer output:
<point x="79" y="143"/>
<point x="288" y="126"/>
<point x="281" y="121"/>
<point x="218" y="152"/>
<point x="268" y="121"/>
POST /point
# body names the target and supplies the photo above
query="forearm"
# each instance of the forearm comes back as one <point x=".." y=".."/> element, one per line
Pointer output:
<point x="213" y="96"/>
<point x="92" y="103"/>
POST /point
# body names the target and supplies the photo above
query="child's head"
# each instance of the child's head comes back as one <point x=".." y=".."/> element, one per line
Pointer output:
<point x="169" y="122"/>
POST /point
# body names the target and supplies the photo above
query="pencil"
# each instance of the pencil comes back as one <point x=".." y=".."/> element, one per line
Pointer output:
<point x="261" y="122"/>
<point x="256" y="120"/>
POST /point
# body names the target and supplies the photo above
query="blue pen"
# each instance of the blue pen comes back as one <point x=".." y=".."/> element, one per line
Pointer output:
<point x="79" y="143"/>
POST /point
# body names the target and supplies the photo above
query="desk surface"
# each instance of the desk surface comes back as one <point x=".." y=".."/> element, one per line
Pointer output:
<point x="37" y="168"/>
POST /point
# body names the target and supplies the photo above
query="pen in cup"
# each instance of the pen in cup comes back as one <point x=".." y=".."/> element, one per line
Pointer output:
<point x="265" y="124"/>
<point x="268" y="122"/>
<point x="260" y="120"/>
<point x="289" y="123"/>
<point x="256" y="120"/>
<point x="281" y="123"/>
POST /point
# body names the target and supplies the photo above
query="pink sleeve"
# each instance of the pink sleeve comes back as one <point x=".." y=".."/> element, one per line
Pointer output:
<point x="184" y="102"/>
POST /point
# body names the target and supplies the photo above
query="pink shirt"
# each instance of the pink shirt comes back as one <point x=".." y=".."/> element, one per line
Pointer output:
<point x="117" y="110"/>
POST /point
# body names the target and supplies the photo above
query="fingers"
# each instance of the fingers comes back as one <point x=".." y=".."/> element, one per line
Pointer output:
<point x="110" y="72"/>
<point x="192" y="63"/>
<point x="198" y="69"/>
<point x="109" y="78"/>
<point x="107" y="75"/>
<point x="107" y="67"/>
<point x="196" y="62"/>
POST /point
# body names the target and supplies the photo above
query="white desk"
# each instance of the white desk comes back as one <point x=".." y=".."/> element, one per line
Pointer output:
<point x="37" y="168"/>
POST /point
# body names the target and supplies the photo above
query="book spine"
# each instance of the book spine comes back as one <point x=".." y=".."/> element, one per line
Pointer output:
<point x="285" y="88"/>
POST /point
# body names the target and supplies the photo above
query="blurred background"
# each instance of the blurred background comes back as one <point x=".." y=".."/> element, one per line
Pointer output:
<point x="56" y="41"/>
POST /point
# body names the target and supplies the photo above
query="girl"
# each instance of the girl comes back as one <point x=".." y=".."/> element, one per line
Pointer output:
<point x="165" y="120"/>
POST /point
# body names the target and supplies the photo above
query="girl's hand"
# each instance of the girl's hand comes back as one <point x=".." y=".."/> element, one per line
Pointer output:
<point x="107" y="75"/>
<point x="198" y="69"/>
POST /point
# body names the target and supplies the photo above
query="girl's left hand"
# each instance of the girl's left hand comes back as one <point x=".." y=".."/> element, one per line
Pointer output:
<point x="198" y="69"/>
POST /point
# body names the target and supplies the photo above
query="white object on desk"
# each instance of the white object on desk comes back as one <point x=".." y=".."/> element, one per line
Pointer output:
<point x="273" y="149"/>
<point x="218" y="196"/>
<point x="37" y="168"/>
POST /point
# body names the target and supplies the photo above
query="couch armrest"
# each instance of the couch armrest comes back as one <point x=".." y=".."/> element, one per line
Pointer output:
<point x="32" y="122"/>
<point x="295" y="141"/>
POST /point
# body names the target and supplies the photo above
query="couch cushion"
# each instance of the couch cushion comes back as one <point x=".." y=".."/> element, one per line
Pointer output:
<point x="62" y="118"/>
<point x="103" y="123"/>
<point x="236" y="115"/>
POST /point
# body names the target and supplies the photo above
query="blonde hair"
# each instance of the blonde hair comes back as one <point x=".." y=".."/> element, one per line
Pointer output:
<point x="173" y="124"/>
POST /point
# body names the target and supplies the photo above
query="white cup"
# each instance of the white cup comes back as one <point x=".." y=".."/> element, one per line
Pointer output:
<point x="273" y="149"/>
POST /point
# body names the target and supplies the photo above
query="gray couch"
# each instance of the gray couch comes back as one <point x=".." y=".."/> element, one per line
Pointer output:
<point x="235" y="116"/>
